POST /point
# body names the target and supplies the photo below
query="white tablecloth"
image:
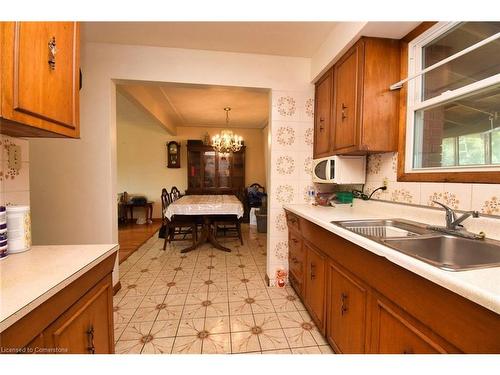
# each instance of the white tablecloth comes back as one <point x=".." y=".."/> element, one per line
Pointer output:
<point x="205" y="205"/>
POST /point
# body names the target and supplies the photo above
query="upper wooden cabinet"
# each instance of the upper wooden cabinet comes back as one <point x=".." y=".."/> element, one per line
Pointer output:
<point x="322" y="117"/>
<point x="40" y="78"/>
<point x="362" y="113"/>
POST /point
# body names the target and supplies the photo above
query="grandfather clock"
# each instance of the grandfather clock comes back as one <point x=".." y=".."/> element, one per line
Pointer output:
<point x="173" y="155"/>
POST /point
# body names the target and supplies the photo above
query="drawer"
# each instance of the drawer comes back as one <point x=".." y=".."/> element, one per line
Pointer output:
<point x="293" y="221"/>
<point x="295" y="246"/>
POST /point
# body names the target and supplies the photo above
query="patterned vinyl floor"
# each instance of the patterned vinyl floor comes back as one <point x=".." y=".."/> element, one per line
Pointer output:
<point x="208" y="301"/>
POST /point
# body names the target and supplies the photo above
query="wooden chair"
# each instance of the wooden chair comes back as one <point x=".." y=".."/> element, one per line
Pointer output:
<point x="229" y="223"/>
<point x="181" y="226"/>
<point x="175" y="193"/>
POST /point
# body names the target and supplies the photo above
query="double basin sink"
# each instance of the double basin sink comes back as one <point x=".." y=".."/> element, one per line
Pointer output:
<point x="445" y="251"/>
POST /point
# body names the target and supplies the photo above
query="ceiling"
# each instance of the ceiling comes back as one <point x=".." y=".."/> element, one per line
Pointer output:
<point x="200" y="105"/>
<point x="299" y="39"/>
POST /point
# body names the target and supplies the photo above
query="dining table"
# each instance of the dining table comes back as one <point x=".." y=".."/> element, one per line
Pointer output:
<point x="206" y="208"/>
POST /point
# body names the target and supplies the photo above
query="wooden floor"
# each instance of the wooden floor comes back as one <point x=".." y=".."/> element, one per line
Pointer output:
<point x="131" y="236"/>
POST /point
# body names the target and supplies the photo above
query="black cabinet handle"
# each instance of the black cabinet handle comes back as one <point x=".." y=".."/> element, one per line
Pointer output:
<point x="313" y="271"/>
<point x="343" y="300"/>
<point x="344" y="110"/>
<point x="90" y="337"/>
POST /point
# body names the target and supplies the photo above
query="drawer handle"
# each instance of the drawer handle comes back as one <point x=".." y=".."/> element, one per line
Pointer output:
<point x="52" y="53"/>
<point x="344" y="111"/>
<point x="343" y="299"/>
<point x="90" y="336"/>
<point x="295" y="240"/>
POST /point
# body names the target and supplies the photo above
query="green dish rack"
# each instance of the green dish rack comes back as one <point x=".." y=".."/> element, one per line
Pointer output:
<point x="344" y="197"/>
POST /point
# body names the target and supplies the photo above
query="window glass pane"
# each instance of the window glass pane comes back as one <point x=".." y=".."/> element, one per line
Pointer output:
<point x="495" y="146"/>
<point x="448" y="154"/>
<point x="474" y="120"/>
<point x="474" y="66"/>
<point x="471" y="150"/>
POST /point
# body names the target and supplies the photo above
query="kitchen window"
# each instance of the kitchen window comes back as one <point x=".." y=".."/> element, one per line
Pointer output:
<point x="453" y="109"/>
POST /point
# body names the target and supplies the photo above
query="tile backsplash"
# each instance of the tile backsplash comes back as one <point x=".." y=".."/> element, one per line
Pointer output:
<point x="292" y="137"/>
<point x="484" y="198"/>
<point x="14" y="184"/>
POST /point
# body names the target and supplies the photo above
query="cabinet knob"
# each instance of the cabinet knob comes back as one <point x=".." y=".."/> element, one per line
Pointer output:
<point x="343" y="300"/>
<point x="90" y="337"/>
<point x="295" y="240"/>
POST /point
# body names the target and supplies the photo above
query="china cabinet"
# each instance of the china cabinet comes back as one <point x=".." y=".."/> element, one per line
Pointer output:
<point x="212" y="172"/>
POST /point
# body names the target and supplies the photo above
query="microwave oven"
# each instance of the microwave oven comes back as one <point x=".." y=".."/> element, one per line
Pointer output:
<point x="340" y="170"/>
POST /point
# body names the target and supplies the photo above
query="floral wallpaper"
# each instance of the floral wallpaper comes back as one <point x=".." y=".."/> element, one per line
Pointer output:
<point x="14" y="184"/>
<point x="484" y="198"/>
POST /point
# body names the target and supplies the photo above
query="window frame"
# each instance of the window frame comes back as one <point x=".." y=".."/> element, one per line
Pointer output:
<point x="410" y="99"/>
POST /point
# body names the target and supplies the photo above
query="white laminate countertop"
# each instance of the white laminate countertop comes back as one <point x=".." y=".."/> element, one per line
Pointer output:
<point x="481" y="286"/>
<point x="28" y="279"/>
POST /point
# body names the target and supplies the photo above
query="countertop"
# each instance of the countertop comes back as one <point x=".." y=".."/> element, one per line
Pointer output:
<point x="28" y="279"/>
<point x="481" y="286"/>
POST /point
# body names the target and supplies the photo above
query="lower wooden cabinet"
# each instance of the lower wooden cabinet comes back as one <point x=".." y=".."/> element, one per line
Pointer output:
<point x="87" y="327"/>
<point x="364" y="303"/>
<point x="296" y="260"/>
<point x="346" y="311"/>
<point x="315" y="281"/>
<point x="396" y="332"/>
<point x="76" y="320"/>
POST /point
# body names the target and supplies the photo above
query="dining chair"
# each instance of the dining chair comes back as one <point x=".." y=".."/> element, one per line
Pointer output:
<point x="177" y="225"/>
<point x="175" y="193"/>
<point x="229" y="223"/>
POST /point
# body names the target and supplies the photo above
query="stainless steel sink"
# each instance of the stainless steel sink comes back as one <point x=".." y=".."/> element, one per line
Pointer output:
<point x="449" y="252"/>
<point x="385" y="228"/>
<point x="445" y="251"/>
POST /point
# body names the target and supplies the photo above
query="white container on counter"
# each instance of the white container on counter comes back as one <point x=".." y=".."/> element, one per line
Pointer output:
<point x="18" y="229"/>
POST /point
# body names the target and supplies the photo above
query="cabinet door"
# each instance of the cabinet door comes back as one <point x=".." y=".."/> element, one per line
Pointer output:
<point x="347" y="308"/>
<point x="40" y="87"/>
<point x="87" y="327"/>
<point x="315" y="284"/>
<point x="296" y="261"/>
<point x="209" y="170"/>
<point x="347" y="87"/>
<point x="238" y="170"/>
<point x="322" y="115"/>
<point x="395" y="332"/>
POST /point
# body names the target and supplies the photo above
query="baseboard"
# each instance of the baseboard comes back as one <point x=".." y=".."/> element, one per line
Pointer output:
<point x="117" y="287"/>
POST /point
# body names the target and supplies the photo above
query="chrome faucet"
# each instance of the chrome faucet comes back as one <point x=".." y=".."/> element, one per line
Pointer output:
<point x="453" y="224"/>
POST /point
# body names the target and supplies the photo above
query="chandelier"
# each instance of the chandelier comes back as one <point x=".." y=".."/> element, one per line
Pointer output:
<point x="227" y="141"/>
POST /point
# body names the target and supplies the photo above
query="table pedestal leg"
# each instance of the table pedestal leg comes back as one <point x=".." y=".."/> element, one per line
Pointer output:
<point x="207" y="235"/>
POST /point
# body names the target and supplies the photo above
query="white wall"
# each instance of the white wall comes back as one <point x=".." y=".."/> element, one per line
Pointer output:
<point x="75" y="188"/>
